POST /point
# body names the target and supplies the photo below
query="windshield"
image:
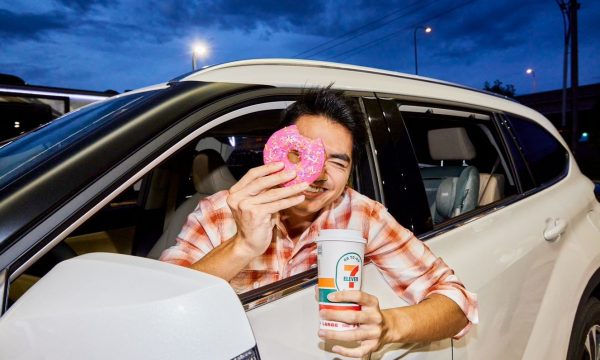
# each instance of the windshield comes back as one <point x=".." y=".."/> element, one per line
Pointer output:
<point x="24" y="154"/>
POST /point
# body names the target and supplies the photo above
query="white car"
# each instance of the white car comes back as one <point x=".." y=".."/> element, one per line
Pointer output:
<point x="88" y="202"/>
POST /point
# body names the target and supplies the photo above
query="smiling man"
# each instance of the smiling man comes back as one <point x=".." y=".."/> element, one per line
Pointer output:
<point x="259" y="232"/>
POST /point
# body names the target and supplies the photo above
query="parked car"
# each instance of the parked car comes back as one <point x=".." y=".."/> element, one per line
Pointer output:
<point x="88" y="202"/>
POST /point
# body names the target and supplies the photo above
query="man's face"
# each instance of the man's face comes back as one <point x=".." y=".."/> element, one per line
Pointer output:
<point x="338" y="162"/>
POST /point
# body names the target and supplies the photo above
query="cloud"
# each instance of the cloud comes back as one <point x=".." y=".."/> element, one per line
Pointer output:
<point x="14" y="26"/>
<point x="85" y="5"/>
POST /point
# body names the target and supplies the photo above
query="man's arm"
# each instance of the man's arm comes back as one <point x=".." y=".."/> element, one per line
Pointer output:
<point x="226" y="260"/>
<point x="435" y="318"/>
<point x="255" y="202"/>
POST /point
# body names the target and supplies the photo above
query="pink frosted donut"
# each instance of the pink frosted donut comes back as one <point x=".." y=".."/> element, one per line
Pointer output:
<point x="311" y="154"/>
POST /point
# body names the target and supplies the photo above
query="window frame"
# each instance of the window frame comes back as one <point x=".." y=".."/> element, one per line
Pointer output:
<point x="397" y="124"/>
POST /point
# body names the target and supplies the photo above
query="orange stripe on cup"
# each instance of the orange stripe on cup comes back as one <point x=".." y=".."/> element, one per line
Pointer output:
<point x="353" y="307"/>
<point x="327" y="283"/>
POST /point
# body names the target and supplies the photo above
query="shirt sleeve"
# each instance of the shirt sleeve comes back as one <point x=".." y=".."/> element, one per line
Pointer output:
<point x="202" y="232"/>
<point x="410" y="267"/>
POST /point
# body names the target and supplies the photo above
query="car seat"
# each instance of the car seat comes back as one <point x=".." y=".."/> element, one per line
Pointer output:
<point x="209" y="175"/>
<point x="451" y="190"/>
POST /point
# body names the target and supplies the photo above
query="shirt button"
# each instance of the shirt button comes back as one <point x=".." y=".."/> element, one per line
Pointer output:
<point x="256" y="284"/>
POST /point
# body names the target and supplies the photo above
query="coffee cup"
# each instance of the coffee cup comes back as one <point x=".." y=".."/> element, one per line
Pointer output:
<point x="340" y="257"/>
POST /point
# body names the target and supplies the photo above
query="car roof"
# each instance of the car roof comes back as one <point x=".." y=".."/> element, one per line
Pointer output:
<point x="309" y="73"/>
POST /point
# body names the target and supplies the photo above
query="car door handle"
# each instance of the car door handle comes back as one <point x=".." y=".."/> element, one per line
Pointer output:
<point x="554" y="228"/>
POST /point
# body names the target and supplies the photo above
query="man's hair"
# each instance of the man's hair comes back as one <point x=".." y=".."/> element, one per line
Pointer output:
<point x="334" y="106"/>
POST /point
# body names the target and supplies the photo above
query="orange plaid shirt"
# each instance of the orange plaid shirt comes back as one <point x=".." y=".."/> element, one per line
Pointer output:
<point x="406" y="262"/>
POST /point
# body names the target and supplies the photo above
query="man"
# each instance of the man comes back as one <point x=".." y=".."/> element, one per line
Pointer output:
<point x="259" y="232"/>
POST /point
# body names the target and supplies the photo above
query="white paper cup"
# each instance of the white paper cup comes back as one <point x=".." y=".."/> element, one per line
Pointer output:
<point x="340" y="256"/>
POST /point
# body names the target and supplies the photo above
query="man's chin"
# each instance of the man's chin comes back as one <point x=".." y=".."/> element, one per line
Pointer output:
<point x="310" y="206"/>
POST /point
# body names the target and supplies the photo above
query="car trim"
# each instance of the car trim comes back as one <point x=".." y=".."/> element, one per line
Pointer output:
<point x="213" y="123"/>
<point x="197" y="75"/>
<point x="372" y="159"/>
<point x="274" y="291"/>
<point x="3" y="292"/>
<point x="474" y="215"/>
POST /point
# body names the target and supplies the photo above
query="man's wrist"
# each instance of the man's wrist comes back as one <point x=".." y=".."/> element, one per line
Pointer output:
<point x="241" y="249"/>
<point x="397" y="325"/>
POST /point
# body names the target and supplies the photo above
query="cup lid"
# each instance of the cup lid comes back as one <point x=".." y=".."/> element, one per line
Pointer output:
<point x="340" y="234"/>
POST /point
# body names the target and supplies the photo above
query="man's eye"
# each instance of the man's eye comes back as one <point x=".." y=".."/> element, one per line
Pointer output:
<point x="339" y="164"/>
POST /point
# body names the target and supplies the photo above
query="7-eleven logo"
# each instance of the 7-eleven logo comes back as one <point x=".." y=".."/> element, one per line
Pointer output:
<point x="348" y="270"/>
<point x="351" y="278"/>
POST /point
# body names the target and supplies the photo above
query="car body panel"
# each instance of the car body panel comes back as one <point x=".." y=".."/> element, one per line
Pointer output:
<point x="287" y="328"/>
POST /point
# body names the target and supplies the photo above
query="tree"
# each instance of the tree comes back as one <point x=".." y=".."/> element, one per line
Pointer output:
<point x="498" y="88"/>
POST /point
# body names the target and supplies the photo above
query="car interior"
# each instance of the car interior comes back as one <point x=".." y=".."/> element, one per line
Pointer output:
<point x="461" y="162"/>
<point x="145" y="219"/>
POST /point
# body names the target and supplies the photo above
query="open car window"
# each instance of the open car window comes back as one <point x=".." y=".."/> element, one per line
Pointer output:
<point x="461" y="159"/>
<point x="145" y="218"/>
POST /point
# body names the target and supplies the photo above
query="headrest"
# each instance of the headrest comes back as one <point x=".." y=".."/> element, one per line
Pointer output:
<point x="210" y="174"/>
<point x="446" y="193"/>
<point x="450" y="144"/>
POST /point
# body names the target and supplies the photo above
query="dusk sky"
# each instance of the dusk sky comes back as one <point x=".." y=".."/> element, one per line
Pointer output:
<point x="127" y="44"/>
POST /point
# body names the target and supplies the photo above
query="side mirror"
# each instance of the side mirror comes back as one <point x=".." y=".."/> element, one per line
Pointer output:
<point x="108" y="306"/>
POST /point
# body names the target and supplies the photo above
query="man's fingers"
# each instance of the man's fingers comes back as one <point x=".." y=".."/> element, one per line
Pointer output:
<point x="361" y="334"/>
<point x="354" y="296"/>
<point x="256" y="173"/>
<point x="261" y="184"/>
<point x="357" y="352"/>
<point x="279" y="193"/>
<point x="345" y="316"/>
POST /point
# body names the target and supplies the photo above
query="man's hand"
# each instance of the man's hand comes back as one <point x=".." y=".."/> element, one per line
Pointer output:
<point x="436" y="317"/>
<point x="255" y="202"/>
<point x="372" y="327"/>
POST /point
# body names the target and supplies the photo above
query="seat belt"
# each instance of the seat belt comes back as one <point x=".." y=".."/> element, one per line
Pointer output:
<point x="488" y="180"/>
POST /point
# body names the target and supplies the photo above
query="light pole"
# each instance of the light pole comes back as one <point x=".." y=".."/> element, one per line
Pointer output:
<point x="531" y="72"/>
<point x="427" y="30"/>
<point x="200" y="51"/>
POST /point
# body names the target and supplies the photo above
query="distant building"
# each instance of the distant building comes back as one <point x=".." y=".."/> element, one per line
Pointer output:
<point x="549" y="103"/>
<point x="24" y="107"/>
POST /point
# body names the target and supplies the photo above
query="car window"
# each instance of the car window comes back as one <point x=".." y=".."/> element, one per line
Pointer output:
<point x="147" y="217"/>
<point x="26" y="153"/>
<point x="460" y="156"/>
<point x="546" y="158"/>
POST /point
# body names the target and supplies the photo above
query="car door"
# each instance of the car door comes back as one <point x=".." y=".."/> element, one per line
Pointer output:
<point x="497" y="249"/>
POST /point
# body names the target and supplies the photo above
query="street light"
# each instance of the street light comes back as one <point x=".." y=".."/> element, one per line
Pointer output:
<point x="199" y="51"/>
<point x="427" y="30"/>
<point x="531" y="72"/>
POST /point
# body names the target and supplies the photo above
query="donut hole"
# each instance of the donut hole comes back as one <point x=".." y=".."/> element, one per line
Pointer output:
<point x="293" y="156"/>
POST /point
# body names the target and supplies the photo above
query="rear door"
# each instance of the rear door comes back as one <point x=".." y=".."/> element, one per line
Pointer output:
<point x="497" y="249"/>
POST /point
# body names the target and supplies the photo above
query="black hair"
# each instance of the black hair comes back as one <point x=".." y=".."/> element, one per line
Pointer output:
<point x="333" y="105"/>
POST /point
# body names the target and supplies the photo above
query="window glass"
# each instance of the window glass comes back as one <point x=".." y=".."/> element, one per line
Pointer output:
<point x="460" y="159"/>
<point x="27" y="152"/>
<point x="547" y="159"/>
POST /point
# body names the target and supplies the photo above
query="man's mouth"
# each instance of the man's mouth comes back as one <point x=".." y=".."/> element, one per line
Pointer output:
<point x="314" y="189"/>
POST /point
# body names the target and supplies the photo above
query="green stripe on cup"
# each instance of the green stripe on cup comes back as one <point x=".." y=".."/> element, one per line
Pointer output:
<point x="323" y="294"/>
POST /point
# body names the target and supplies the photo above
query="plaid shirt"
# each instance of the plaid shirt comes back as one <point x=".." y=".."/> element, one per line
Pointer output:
<point x="406" y="263"/>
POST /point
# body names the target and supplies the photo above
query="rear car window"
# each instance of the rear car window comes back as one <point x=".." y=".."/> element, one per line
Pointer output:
<point x="546" y="158"/>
